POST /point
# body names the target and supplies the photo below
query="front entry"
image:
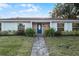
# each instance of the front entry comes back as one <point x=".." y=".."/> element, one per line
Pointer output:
<point x="39" y="28"/>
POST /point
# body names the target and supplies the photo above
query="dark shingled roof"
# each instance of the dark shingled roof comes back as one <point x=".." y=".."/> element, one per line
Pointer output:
<point x="26" y="19"/>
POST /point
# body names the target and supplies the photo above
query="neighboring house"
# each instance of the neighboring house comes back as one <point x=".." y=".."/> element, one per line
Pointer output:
<point x="39" y="24"/>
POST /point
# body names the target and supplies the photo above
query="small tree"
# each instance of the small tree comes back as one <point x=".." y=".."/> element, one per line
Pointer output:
<point x="49" y="32"/>
<point x="30" y="32"/>
<point x="52" y="32"/>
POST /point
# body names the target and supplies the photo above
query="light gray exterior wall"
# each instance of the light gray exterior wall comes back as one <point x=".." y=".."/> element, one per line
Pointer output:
<point x="27" y="25"/>
<point x="13" y="26"/>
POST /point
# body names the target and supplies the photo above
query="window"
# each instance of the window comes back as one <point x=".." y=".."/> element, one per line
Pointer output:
<point x="75" y="26"/>
<point x="21" y="27"/>
<point x="60" y="26"/>
<point x="67" y="26"/>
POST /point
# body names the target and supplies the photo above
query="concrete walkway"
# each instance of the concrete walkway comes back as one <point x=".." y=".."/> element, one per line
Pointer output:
<point x="39" y="47"/>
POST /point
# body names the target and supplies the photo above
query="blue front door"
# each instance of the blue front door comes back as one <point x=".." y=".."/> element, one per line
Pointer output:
<point x="39" y="28"/>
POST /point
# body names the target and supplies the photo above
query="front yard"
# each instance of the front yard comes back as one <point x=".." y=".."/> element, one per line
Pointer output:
<point x="63" y="46"/>
<point x="15" y="45"/>
<point x="22" y="46"/>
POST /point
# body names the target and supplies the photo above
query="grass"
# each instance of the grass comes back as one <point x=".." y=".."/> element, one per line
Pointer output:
<point x="63" y="46"/>
<point x="15" y="45"/>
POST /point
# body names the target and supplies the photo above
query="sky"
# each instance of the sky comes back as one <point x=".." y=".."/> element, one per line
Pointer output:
<point x="8" y="10"/>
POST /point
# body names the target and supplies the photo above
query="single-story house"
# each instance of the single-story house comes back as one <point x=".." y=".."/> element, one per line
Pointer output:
<point x="38" y="24"/>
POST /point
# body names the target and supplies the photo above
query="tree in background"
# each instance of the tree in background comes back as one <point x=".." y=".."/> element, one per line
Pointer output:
<point x="66" y="11"/>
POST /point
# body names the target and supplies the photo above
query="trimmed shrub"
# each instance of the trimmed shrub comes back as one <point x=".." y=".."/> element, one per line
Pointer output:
<point x="65" y="33"/>
<point x="30" y="32"/>
<point x="70" y="33"/>
<point x="58" y="33"/>
<point x="20" y="32"/>
<point x="11" y="32"/>
<point x="7" y="33"/>
<point x="77" y="33"/>
<point x="49" y="32"/>
<point x="3" y="33"/>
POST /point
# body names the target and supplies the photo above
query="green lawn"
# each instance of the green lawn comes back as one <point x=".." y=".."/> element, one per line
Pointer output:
<point x="15" y="45"/>
<point x="63" y="46"/>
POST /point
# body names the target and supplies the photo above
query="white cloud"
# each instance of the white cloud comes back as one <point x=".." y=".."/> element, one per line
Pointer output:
<point x="40" y="16"/>
<point x="35" y="7"/>
<point x="3" y="5"/>
<point x="31" y="8"/>
<point x="26" y="5"/>
<point x="26" y="11"/>
<point x="23" y="5"/>
<point x="25" y="15"/>
<point x="30" y="5"/>
<point x="13" y="12"/>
